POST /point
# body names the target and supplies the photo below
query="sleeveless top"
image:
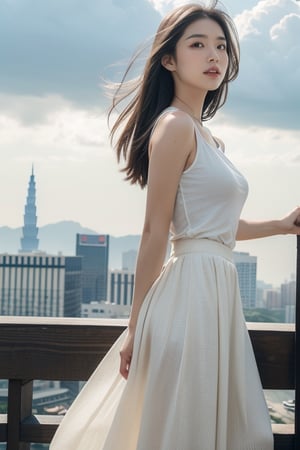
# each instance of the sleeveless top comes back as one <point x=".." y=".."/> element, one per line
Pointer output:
<point x="210" y="196"/>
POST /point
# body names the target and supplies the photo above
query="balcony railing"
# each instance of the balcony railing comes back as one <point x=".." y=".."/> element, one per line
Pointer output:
<point x="70" y="349"/>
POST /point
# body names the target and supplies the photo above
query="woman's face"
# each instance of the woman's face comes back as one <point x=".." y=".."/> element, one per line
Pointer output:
<point x="201" y="56"/>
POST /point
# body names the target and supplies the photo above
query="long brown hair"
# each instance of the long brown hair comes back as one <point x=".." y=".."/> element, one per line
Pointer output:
<point x="153" y="91"/>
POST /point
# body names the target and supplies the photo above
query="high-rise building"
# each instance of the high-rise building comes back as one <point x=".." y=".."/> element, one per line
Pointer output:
<point x="273" y="299"/>
<point x="120" y="287"/>
<point x="29" y="241"/>
<point x="261" y="293"/>
<point x="129" y="260"/>
<point x="246" y="269"/>
<point x="94" y="250"/>
<point x="288" y="293"/>
<point x="290" y="313"/>
<point x="40" y="285"/>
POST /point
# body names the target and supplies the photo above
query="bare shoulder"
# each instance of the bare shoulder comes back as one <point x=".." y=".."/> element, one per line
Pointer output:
<point x="171" y="144"/>
<point x="173" y="127"/>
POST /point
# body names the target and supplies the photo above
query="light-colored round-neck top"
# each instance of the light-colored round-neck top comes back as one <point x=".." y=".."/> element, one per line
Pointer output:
<point x="210" y="196"/>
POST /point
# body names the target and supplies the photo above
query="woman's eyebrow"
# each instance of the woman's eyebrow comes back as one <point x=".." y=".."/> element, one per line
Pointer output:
<point x="197" y="35"/>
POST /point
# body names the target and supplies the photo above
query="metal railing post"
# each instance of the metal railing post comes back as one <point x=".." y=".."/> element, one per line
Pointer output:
<point x="297" y="351"/>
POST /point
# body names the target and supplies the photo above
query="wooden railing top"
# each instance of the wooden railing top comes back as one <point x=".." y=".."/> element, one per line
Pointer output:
<point x="23" y="320"/>
<point x="70" y="349"/>
<point x="73" y="321"/>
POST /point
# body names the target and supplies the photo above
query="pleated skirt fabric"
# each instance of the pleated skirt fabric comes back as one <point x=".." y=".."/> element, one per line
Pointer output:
<point x="193" y="382"/>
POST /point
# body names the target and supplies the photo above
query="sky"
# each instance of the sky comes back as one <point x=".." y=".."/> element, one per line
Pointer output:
<point x="53" y="113"/>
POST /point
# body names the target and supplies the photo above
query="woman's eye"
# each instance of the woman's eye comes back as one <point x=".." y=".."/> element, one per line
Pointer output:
<point x="222" y="47"/>
<point x="197" y="44"/>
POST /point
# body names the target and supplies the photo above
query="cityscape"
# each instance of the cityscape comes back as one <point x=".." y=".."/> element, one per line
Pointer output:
<point x="83" y="284"/>
<point x="35" y="283"/>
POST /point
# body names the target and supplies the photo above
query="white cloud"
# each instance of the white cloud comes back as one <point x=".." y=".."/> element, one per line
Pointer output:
<point x="79" y="132"/>
<point x="64" y="46"/>
<point x="286" y="29"/>
<point x="31" y="109"/>
<point x="231" y="6"/>
<point x="59" y="50"/>
<point x="267" y="90"/>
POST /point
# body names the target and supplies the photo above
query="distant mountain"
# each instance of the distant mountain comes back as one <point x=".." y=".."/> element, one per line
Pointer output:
<point x="61" y="237"/>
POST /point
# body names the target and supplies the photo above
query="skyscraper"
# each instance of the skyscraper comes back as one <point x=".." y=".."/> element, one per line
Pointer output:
<point x="120" y="287"/>
<point x="94" y="250"/>
<point x="246" y="269"/>
<point x="129" y="260"/>
<point x="288" y="293"/>
<point x="29" y="241"/>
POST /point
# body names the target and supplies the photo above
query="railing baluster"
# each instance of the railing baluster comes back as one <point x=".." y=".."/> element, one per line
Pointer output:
<point x="297" y="352"/>
<point x="18" y="408"/>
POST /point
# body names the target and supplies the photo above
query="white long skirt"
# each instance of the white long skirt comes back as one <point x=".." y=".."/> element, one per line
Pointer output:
<point x="193" y="382"/>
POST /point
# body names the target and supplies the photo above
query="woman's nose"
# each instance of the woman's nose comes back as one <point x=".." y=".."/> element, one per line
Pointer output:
<point x="213" y="55"/>
<point x="213" y="58"/>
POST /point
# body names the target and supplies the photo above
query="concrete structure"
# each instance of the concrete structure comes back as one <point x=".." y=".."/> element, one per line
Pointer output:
<point x="104" y="310"/>
<point x="38" y="284"/>
<point x="44" y="399"/>
<point x="246" y="268"/>
<point x="94" y="250"/>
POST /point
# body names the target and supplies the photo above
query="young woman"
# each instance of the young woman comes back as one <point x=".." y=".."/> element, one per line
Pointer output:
<point x="192" y="381"/>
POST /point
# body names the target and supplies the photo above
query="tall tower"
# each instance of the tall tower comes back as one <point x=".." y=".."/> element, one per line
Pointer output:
<point x="29" y="241"/>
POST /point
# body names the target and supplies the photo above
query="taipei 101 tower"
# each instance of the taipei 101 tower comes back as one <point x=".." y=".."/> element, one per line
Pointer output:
<point x="29" y="241"/>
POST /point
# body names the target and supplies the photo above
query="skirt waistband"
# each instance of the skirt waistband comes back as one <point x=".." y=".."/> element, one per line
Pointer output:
<point x="183" y="246"/>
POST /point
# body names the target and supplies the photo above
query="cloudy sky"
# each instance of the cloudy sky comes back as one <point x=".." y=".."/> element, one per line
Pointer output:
<point x="54" y="55"/>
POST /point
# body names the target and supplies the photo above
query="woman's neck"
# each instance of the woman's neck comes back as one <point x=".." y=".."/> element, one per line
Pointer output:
<point x="191" y="107"/>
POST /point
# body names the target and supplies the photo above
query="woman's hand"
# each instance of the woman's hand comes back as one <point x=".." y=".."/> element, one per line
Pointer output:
<point x="290" y="224"/>
<point x="126" y="354"/>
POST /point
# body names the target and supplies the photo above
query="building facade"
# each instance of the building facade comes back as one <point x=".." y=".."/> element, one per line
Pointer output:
<point x="288" y="300"/>
<point x="246" y="268"/>
<point x="94" y="250"/>
<point x="120" y="287"/>
<point x="40" y="285"/>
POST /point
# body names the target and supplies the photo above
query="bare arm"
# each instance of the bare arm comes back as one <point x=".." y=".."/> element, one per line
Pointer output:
<point x="171" y="144"/>
<point x="290" y="224"/>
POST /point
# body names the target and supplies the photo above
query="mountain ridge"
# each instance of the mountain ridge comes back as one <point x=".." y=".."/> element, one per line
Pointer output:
<point x="61" y="237"/>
